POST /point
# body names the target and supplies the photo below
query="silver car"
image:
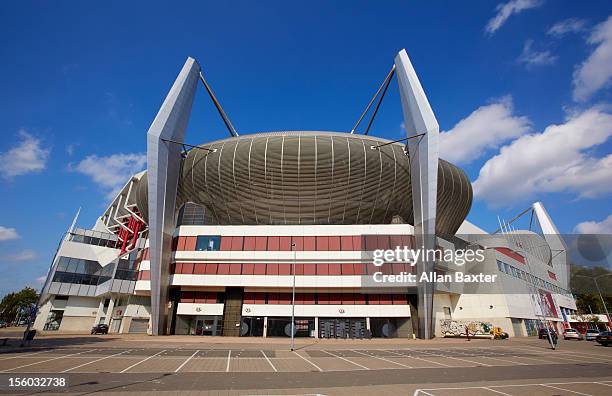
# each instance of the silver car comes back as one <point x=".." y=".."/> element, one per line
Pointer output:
<point x="572" y="334"/>
<point x="591" y="334"/>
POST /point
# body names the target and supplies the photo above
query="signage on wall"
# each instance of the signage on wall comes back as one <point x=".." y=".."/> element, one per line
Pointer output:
<point x="341" y="310"/>
<point x="118" y="312"/>
<point x="198" y="309"/>
<point x="247" y="310"/>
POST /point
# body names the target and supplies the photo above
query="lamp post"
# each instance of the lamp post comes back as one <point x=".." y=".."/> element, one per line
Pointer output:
<point x="293" y="299"/>
<point x="599" y="292"/>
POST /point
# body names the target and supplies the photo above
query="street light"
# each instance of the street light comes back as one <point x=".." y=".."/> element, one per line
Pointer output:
<point x="293" y="299"/>
<point x="599" y="292"/>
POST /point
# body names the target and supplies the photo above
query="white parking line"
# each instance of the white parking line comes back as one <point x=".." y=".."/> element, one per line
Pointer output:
<point x="142" y="361"/>
<point x="566" y="390"/>
<point x="496" y="391"/>
<point x="229" y="355"/>
<point x="548" y="384"/>
<point x="93" y="361"/>
<point x="314" y="365"/>
<point x="20" y="355"/>
<point x="423" y="359"/>
<point x="264" y="354"/>
<point x="48" y="360"/>
<point x="602" y="383"/>
<point x="186" y="361"/>
<point x="382" y="358"/>
<point x="345" y="359"/>
<point x="450" y="357"/>
<point x="488" y="356"/>
<point x="577" y="354"/>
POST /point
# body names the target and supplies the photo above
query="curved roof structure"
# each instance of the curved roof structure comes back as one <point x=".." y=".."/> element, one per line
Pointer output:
<point x="311" y="177"/>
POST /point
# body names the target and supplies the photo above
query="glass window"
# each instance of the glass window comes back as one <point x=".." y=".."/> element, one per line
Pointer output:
<point x="62" y="264"/>
<point x="72" y="266"/>
<point x="207" y="242"/>
<point x="500" y="266"/>
<point x="507" y="267"/>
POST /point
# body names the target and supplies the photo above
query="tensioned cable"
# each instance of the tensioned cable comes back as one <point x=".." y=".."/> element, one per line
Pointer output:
<point x="380" y="100"/>
<point x="384" y="85"/>
<point x="224" y="116"/>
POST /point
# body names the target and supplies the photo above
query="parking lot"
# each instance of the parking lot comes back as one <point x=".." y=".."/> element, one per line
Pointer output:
<point x="343" y="367"/>
<point x="186" y="359"/>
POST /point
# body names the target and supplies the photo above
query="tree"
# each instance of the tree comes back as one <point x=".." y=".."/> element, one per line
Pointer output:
<point x="14" y="303"/>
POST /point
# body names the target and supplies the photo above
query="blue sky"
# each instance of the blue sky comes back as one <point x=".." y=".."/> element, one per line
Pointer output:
<point x="528" y="80"/>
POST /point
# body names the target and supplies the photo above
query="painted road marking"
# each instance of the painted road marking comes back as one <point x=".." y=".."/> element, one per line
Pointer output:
<point x="496" y="391"/>
<point x="489" y="387"/>
<point x="186" y="361"/>
<point x="21" y="355"/>
<point x="345" y="359"/>
<point x="264" y="354"/>
<point x="450" y="357"/>
<point x="93" y="361"/>
<point x="142" y="361"/>
<point x="229" y="356"/>
<point x="423" y="359"/>
<point x="382" y="358"/>
<point x="573" y="359"/>
<point x="489" y="356"/>
<point x="566" y="390"/>
<point x="48" y="360"/>
<point x="314" y="365"/>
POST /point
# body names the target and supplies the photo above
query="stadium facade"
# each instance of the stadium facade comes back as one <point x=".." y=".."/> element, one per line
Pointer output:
<point x="237" y="236"/>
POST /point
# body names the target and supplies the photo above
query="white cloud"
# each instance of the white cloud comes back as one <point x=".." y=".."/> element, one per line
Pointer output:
<point x="7" y="234"/>
<point x="559" y="159"/>
<point x="41" y="279"/>
<point x="26" y="157"/>
<point x="111" y="172"/>
<point x="566" y="26"/>
<point x="531" y="57"/>
<point x="594" y="227"/>
<point x="24" y="255"/>
<point x="505" y="10"/>
<point x="486" y="128"/>
<point x="595" y="72"/>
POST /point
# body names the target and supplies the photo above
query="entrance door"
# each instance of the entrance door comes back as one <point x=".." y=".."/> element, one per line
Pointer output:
<point x="517" y="326"/>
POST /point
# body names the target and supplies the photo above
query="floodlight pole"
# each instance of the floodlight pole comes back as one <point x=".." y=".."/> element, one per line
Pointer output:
<point x="293" y="300"/>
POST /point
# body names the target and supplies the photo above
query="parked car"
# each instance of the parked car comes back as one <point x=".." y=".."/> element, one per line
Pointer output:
<point x="591" y="334"/>
<point x="543" y="333"/>
<point x="604" y="338"/>
<point x="100" y="329"/>
<point x="572" y="334"/>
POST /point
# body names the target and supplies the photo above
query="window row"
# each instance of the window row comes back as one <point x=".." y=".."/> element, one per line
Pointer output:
<point x="77" y="265"/>
<point x="286" y="268"/>
<point x="199" y="297"/>
<point x="288" y="243"/>
<point x="95" y="238"/>
<point x="325" y="298"/>
<point x="527" y="277"/>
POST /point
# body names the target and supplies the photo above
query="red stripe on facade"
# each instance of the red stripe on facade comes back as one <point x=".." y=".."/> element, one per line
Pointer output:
<point x="511" y="253"/>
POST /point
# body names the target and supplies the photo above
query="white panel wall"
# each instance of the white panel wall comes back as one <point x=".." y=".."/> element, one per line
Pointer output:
<point x="392" y="311"/>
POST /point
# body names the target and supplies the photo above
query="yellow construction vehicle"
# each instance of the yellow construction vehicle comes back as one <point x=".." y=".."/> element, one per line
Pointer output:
<point x="498" y="334"/>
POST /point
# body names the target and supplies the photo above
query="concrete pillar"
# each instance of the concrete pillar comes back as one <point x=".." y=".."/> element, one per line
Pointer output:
<point x="419" y="119"/>
<point x="265" y="329"/>
<point x="163" y="168"/>
<point x="316" y="320"/>
<point x="368" y="323"/>
<point x="109" y="311"/>
<point x="100" y="311"/>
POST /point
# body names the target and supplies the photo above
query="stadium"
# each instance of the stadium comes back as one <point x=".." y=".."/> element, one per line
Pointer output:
<point x="237" y="236"/>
